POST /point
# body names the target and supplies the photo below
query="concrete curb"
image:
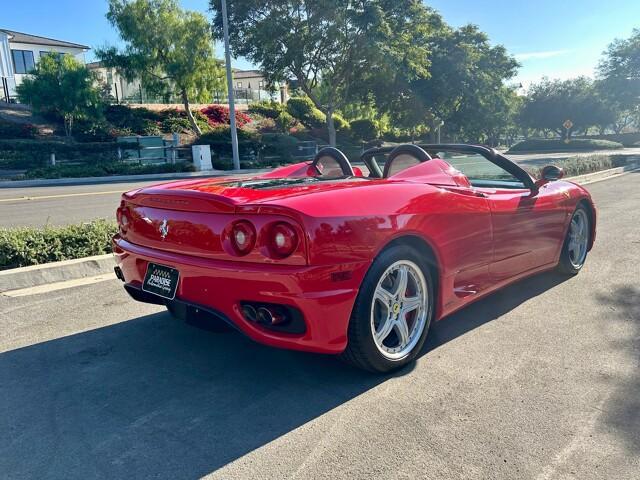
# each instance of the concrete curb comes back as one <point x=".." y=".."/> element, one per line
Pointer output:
<point x="126" y="178"/>
<point x="603" y="174"/>
<point x="35" y="275"/>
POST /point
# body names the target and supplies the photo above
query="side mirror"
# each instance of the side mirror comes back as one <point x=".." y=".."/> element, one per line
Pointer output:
<point x="549" y="173"/>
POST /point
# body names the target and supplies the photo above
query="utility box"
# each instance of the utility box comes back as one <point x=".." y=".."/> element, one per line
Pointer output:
<point x="201" y="157"/>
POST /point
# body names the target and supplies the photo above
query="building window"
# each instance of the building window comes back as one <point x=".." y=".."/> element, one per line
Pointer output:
<point x="260" y="84"/>
<point x="238" y="84"/>
<point x="56" y="55"/>
<point x="22" y="61"/>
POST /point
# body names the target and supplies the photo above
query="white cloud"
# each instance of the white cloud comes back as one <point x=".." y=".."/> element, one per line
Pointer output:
<point x="540" y="55"/>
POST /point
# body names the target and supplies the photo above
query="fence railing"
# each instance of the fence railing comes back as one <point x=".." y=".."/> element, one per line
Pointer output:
<point x="153" y="149"/>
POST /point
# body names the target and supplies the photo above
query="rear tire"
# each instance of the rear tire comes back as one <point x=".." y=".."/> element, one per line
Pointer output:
<point x="576" y="243"/>
<point x="391" y="319"/>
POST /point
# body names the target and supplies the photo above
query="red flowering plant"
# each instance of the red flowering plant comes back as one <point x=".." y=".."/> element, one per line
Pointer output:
<point x="218" y="115"/>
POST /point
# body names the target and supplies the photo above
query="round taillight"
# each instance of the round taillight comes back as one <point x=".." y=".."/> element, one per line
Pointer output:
<point x="283" y="240"/>
<point x="243" y="237"/>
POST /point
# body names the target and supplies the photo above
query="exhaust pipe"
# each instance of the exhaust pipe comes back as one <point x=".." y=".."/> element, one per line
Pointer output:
<point x="265" y="316"/>
<point x="249" y="313"/>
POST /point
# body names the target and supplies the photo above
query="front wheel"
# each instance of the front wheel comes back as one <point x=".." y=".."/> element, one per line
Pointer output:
<point x="576" y="243"/>
<point x="392" y="313"/>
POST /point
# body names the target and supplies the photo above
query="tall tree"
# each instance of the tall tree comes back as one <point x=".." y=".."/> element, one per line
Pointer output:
<point x="333" y="43"/>
<point x="619" y="79"/>
<point x="63" y="86"/>
<point x="550" y="103"/>
<point x="166" y="47"/>
<point x="466" y="87"/>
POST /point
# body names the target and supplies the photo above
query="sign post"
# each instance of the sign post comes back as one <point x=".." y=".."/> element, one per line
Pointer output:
<point x="232" y="108"/>
<point x="567" y="125"/>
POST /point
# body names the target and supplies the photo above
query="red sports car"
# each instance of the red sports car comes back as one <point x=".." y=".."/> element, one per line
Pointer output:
<point x="317" y="256"/>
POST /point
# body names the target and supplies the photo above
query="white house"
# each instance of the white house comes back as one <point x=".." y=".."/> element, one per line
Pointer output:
<point x="251" y="85"/>
<point x="19" y="53"/>
<point x="118" y="87"/>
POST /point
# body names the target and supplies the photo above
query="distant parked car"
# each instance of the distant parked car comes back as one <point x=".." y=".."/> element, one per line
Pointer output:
<point x="315" y="256"/>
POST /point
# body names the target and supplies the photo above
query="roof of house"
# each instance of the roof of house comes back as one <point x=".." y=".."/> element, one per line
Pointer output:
<point x="19" y="37"/>
<point x="247" y="73"/>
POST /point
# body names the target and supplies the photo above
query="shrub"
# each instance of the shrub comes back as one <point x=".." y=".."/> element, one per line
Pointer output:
<point x="140" y="121"/>
<point x="106" y="169"/>
<point x="175" y="123"/>
<point x="303" y="109"/>
<point x="17" y="130"/>
<point x="267" y="109"/>
<point x="20" y="247"/>
<point x="364" y="129"/>
<point x="219" y="139"/>
<point x="278" y="145"/>
<point x="339" y="122"/>
<point x="100" y="131"/>
<point x="285" y="122"/>
<point x="219" y="115"/>
<point x="33" y="154"/>
<point x="557" y="145"/>
<point x="583" y="164"/>
<point x="264" y="124"/>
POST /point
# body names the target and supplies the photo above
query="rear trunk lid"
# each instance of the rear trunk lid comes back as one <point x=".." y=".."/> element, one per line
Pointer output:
<point x="190" y="217"/>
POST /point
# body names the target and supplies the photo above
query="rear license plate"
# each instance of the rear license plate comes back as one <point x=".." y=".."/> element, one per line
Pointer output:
<point x="161" y="280"/>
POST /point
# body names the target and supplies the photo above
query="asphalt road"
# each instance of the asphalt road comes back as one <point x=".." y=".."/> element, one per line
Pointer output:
<point x="60" y="205"/>
<point x="539" y="381"/>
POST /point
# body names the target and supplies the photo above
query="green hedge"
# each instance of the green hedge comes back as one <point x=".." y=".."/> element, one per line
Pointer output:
<point x="583" y="164"/>
<point x="267" y="109"/>
<point x="30" y="154"/>
<point x="106" y="169"/>
<point x="557" y="145"/>
<point x="364" y="129"/>
<point x="303" y="109"/>
<point x="17" y="130"/>
<point x="21" y="247"/>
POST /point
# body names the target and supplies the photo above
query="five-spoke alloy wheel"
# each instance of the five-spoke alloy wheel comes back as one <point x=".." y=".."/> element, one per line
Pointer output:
<point x="391" y="317"/>
<point x="576" y="243"/>
<point x="398" y="313"/>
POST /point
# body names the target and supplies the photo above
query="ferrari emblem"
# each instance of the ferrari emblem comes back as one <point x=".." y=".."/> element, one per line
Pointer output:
<point x="396" y="308"/>
<point x="164" y="229"/>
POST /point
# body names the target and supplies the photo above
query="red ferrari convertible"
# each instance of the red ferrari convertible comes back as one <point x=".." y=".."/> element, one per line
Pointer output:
<point x="317" y="256"/>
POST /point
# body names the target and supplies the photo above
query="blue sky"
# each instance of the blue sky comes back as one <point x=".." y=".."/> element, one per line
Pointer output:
<point x="549" y="37"/>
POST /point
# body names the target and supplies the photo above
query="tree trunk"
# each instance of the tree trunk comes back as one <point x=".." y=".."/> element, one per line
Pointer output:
<point x="187" y="109"/>
<point x="68" y="125"/>
<point x="331" y="128"/>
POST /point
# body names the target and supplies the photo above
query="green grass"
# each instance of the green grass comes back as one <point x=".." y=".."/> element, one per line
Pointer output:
<point x="21" y="247"/>
<point x="557" y="145"/>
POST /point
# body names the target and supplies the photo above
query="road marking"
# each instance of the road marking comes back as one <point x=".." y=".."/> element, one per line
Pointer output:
<point x="52" y="287"/>
<point x="62" y="195"/>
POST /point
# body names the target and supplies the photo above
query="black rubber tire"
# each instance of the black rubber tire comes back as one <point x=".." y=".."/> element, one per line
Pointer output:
<point x="361" y="350"/>
<point x="564" y="265"/>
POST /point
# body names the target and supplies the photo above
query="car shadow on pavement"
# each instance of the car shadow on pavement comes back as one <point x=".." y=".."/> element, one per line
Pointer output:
<point x="490" y="308"/>
<point x="152" y="397"/>
<point x="623" y="407"/>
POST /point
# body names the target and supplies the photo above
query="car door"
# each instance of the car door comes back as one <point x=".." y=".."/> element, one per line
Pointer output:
<point x="526" y="231"/>
<point x="525" y="223"/>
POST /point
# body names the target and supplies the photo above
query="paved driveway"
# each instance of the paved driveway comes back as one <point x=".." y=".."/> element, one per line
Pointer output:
<point x="539" y="381"/>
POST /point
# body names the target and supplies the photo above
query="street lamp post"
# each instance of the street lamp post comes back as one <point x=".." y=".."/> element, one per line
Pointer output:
<point x="232" y="107"/>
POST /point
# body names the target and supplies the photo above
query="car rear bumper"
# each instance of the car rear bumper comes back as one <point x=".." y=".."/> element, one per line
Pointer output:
<point x="323" y="294"/>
